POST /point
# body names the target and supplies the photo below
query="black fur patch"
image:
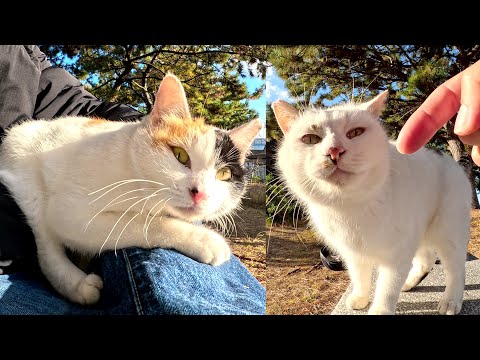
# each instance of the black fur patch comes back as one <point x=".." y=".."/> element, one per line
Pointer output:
<point x="331" y="260"/>
<point x="229" y="154"/>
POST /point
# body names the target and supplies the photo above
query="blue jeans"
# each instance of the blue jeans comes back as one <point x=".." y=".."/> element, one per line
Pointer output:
<point x="144" y="282"/>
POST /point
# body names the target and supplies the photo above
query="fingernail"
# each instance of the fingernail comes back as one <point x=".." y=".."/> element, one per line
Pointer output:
<point x="462" y="120"/>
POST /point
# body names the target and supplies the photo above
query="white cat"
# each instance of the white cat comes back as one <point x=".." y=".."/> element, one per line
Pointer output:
<point x="376" y="207"/>
<point x="92" y="184"/>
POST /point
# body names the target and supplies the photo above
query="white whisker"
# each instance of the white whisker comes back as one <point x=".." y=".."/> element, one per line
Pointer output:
<point x="152" y="195"/>
<point x="153" y="217"/>
<point x="147" y="217"/>
<point x="233" y="224"/>
<point x="110" y="204"/>
<point x="116" y="223"/>
<point x="285" y="212"/>
<point x="119" y="236"/>
<point x="123" y="182"/>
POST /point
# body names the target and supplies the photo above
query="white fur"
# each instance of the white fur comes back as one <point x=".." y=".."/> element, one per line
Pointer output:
<point x="67" y="178"/>
<point x="384" y="209"/>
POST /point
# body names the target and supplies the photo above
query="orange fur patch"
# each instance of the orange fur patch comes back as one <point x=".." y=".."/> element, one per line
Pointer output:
<point x="178" y="130"/>
<point x="95" y="122"/>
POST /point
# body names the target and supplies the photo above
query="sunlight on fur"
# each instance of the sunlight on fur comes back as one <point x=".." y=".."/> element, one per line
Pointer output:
<point x="92" y="185"/>
<point x="378" y="209"/>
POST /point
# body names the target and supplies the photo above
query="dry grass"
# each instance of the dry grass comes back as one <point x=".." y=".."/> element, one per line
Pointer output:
<point x="474" y="244"/>
<point x="298" y="285"/>
<point x="297" y="282"/>
<point x="255" y="195"/>
<point x="248" y="244"/>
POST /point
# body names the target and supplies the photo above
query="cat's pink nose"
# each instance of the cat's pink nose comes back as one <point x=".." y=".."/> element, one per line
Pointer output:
<point x="197" y="196"/>
<point x="335" y="152"/>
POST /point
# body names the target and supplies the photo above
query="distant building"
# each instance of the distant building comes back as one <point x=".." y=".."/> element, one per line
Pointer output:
<point x="256" y="161"/>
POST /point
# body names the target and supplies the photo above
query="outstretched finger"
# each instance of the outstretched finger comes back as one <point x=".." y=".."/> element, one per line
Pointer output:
<point x="440" y="106"/>
<point x="471" y="139"/>
<point x="468" y="118"/>
<point x="476" y="155"/>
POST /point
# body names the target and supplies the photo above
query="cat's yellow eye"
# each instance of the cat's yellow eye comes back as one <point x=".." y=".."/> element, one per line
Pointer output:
<point x="224" y="174"/>
<point x="355" y="132"/>
<point x="180" y="154"/>
<point x="310" y="139"/>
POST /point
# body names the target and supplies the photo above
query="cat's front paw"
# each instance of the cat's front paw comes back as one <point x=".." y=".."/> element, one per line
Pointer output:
<point x="356" y="302"/>
<point x="212" y="248"/>
<point x="88" y="290"/>
<point x="449" y="307"/>
<point x="380" y="310"/>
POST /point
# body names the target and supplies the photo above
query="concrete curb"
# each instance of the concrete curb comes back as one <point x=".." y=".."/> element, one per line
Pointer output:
<point x="424" y="298"/>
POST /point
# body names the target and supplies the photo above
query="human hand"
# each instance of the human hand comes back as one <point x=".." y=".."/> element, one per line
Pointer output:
<point x="459" y="94"/>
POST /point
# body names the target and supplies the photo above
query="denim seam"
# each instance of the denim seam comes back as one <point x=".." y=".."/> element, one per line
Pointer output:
<point x="136" y="297"/>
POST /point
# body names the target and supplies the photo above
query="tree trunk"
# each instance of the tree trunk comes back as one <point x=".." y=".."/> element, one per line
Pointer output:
<point x="459" y="154"/>
<point x="475" y="204"/>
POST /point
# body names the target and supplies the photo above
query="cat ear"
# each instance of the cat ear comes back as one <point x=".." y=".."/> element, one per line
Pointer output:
<point x="285" y="114"/>
<point x="170" y="100"/>
<point x="244" y="135"/>
<point x="377" y="104"/>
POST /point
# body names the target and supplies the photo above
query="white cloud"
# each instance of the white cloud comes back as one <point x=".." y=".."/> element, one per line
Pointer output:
<point x="268" y="90"/>
<point x="269" y="71"/>
<point x="253" y="67"/>
<point x="275" y="92"/>
<point x="275" y="87"/>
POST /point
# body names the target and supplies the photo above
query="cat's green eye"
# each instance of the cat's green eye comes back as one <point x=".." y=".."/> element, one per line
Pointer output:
<point x="310" y="139"/>
<point x="224" y="174"/>
<point x="355" y="132"/>
<point x="180" y="154"/>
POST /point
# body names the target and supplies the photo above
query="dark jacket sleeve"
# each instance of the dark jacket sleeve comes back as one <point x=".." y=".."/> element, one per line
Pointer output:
<point x="61" y="94"/>
<point x="20" y="71"/>
<point x="30" y="87"/>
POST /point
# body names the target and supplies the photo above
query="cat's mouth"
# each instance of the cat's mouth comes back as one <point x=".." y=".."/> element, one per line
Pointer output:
<point x="336" y="173"/>
<point x="342" y="171"/>
<point x="193" y="212"/>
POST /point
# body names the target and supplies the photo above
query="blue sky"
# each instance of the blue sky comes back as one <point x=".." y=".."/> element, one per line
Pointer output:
<point x="276" y="90"/>
<point x="260" y="104"/>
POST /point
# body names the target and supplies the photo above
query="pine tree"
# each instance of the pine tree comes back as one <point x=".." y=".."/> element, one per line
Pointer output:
<point x="131" y="74"/>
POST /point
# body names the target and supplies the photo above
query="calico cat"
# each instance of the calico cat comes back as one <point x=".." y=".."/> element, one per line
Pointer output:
<point x="88" y="185"/>
<point x="376" y="207"/>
